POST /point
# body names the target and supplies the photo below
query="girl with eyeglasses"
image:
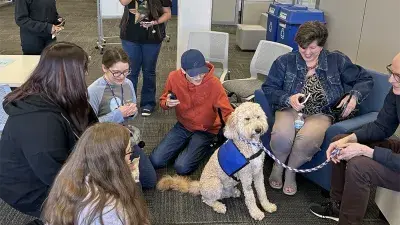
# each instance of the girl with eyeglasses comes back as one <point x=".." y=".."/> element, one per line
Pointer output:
<point x="95" y="185"/>
<point x="113" y="99"/>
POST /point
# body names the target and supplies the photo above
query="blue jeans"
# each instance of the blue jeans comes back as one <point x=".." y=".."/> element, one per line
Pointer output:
<point x="190" y="148"/>
<point x="143" y="57"/>
<point x="147" y="174"/>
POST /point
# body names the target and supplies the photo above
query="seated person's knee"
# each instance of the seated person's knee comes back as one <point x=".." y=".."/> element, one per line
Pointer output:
<point x="338" y="137"/>
<point x="157" y="160"/>
<point x="182" y="168"/>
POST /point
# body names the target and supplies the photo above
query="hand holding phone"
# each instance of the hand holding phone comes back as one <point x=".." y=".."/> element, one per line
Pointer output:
<point x="172" y="100"/>
<point x="303" y="99"/>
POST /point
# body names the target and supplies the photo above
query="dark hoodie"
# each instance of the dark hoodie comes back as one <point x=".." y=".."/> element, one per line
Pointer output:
<point x="36" y="141"/>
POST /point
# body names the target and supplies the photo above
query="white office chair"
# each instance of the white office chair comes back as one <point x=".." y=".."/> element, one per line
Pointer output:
<point x="214" y="46"/>
<point x="266" y="53"/>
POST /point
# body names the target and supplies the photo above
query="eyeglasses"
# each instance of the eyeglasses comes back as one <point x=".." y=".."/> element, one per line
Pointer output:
<point x="395" y="75"/>
<point x="117" y="74"/>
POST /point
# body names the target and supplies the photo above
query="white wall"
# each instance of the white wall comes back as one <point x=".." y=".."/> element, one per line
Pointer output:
<point x="194" y="15"/>
<point x="368" y="31"/>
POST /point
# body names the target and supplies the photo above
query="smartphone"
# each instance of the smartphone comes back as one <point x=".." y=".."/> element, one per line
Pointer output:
<point x="172" y="95"/>
<point x="303" y="100"/>
<point x="62" y="23"/>
<point x="146" y="23"/>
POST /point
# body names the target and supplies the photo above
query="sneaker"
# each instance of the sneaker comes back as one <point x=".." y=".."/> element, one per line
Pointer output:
<point x="328" y="210"/>
<point x="146" y="111"/>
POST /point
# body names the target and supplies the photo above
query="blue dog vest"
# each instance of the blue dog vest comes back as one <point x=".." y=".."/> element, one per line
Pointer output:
<point x="231" y="160"/>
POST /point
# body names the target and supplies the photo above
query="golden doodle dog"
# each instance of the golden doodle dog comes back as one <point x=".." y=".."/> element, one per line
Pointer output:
<point x="233" y="162"/>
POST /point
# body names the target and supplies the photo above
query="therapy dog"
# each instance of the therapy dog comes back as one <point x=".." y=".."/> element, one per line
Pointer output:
<point x="234" y="162"/>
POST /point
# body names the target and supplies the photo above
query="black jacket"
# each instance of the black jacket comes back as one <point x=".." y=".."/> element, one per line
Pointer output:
<point x="36" y="16"/>
<point x="36" y="141"/>
<point x="383" y="127"/>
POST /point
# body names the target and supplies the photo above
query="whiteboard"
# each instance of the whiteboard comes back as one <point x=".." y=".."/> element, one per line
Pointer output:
<point x="111" y="9"/>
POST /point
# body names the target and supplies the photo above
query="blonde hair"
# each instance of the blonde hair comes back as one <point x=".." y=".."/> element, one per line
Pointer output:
<point x="100" y="153"/>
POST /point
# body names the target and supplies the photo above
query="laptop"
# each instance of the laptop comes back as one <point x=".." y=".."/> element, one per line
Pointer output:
<point x="4" y="90"/>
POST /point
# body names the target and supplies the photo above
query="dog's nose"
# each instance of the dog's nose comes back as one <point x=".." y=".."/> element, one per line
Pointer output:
<point x="258" y="130"/>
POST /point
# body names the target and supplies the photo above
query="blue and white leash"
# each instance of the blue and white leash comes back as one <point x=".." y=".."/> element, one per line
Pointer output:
<point x="261" y="146"/>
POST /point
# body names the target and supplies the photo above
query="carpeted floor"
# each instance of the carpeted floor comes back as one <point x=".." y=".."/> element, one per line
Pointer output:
<point x="169" y="207"/>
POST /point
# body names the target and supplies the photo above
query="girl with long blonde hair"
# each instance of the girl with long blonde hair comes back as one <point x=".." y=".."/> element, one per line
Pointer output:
<point x="95" y="185"/>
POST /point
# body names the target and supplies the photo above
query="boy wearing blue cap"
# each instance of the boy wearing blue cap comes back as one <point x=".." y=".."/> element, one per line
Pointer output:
<point x="196" y="94"/>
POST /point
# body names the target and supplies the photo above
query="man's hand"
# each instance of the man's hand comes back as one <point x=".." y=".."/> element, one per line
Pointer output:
<point x="170" y="103"/>
<point x="341" y="143"/>
<point x="350" y="106"/>
<point x="294" y="102"/>
<point x="351" y="150"/>
<point x="128" y="109"/>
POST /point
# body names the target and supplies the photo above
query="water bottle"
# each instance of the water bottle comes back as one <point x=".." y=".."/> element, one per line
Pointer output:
<point x="299" y="122"/>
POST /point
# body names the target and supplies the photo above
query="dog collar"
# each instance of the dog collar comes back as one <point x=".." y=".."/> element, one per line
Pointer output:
<point x="231" y="160"/>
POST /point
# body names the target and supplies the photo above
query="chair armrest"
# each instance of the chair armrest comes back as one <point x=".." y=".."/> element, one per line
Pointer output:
<point x="348" y="126"/>
<point x="260" y="98"/>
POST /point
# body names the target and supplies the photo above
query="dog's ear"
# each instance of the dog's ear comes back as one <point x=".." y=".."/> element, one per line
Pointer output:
<point x="230" y="131"/>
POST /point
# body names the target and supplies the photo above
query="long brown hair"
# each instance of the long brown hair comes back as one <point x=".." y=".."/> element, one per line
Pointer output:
<point x="155" y="8"/>
<point x="95" y="176"/>
<point x="60" y="78"/>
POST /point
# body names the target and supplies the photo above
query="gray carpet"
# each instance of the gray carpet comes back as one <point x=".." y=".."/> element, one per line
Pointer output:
<point x="169" y="207"/>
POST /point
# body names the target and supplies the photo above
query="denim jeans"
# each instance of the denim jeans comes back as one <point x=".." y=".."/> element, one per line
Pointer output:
<point x="143" y="57"/>
<point x="147" y="174"/>
<point x="190" y="148"/>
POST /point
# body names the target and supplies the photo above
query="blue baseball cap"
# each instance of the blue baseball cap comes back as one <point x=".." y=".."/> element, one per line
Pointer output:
<point x="193" y="62"/>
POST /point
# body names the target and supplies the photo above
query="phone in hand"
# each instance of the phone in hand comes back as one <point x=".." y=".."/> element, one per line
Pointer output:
<point x="172" y="95"/>
<point x="303" y="100"/>
<point x="146" y="24"/>
<point x="62" y="23"/>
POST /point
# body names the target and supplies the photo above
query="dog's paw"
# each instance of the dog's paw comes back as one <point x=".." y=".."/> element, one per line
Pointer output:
<point x="236" y="193"/>
<point x="219" y="207"/>
<point x="269" y="207"/>
<point x="257" y="214"/>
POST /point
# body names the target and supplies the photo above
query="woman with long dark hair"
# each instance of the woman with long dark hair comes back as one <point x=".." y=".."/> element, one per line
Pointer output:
<point x="142" y="31"/>
<point x="100" y="189"/>
<point x="47" y="114"/>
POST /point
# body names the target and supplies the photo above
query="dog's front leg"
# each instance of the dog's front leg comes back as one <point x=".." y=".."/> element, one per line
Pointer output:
<point x="249" y="197"/>
<point x="262" y="195"/>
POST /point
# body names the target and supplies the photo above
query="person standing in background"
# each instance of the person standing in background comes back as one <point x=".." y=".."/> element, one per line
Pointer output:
<point x="142" y="31"/>
<point x="38" y="21"/>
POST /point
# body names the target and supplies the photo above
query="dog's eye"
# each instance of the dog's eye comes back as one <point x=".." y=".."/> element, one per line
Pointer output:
<point x="258" y="117"/>
<point x="247" y="118"/>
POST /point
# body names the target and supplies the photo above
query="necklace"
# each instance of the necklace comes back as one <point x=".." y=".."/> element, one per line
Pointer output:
<point x="112" y="92"/>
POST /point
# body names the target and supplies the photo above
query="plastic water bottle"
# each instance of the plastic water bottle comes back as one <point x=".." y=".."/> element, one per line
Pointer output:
<point x="299" y="122"/>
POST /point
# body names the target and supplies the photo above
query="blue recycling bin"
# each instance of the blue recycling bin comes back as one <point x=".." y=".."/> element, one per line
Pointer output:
<point x="273" y="18"/>
<point x="290" y="21"/>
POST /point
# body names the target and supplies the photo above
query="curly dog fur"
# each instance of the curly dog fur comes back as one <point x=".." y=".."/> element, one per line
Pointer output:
<point x="248" y="121"/>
